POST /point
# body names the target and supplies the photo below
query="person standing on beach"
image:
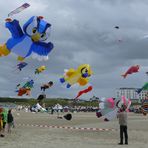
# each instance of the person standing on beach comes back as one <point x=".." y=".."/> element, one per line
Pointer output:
<point x="9" y="121"/>
<point x="1" y="123"/>
<point x="122" y="116"/>
<point x="4" y="119"/>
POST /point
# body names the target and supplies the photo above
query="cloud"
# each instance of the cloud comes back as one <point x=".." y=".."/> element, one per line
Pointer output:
<point x="83" y="32"/>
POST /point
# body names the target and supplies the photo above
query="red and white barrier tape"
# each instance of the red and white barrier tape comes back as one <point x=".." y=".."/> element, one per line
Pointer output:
<point x="69" y="127"/>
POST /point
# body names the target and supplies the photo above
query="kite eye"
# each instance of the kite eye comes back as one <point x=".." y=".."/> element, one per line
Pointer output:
<point x="43" y="35"/>
<point x="34" y="30"/>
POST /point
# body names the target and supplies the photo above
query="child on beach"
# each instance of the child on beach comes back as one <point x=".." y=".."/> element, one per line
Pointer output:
<point x="9" y="121"/>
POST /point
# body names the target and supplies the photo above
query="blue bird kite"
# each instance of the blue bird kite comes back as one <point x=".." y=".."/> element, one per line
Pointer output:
<point x="32" y="40"/>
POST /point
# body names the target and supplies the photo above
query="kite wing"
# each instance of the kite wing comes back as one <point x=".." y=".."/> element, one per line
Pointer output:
<point x="70" y="72"/>
<point x="19" y="9"/>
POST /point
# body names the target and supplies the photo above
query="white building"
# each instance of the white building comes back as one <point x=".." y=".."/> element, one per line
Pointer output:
<point x="131" y="93"/>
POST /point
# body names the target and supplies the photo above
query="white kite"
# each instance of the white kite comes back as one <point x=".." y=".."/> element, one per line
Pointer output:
<point x="19" y="9"/>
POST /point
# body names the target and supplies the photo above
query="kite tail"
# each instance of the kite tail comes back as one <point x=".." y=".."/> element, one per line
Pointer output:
<point x="77" y="97"/>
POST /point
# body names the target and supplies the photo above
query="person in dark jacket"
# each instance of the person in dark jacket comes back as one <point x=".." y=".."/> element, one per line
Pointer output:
<point x="1" y="123"/>
<point x="9" y="121"/>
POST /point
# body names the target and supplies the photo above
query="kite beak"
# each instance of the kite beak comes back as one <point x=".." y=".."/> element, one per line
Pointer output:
<point x="20" y="58"/>
<point x="35" y="37"/>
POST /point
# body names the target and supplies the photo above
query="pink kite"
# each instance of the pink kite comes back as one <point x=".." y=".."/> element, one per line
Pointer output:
<point x="111" y="102"/>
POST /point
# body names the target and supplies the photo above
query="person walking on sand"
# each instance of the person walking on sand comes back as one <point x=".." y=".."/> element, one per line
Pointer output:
<point x="122" y="116"/>
<point x="9" y="121"/>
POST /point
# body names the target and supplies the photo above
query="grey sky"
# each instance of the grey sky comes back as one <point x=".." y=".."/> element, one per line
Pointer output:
<point x="83" y="32"/>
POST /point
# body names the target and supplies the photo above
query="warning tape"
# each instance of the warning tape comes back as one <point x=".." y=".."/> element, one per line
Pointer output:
<point x="69" y="127"/>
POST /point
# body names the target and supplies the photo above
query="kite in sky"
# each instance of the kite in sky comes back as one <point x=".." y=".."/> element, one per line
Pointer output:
<point x="26" y="88"/>
<point x="131" y="70"/>
<point x="79" y="76"/>
<point x="40" y="69"/>
<point x="32" y="40"/>
<point x="84" y="91"/>
<point x="47" y="85"/>
<point x="117" y="27"/>
<point x="21" y="65"/>
<point x="19" y="9"/>
<point x="144" y="87"/>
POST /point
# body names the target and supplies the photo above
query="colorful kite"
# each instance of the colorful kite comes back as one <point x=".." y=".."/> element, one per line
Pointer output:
<point x="132" y="69"/>
<point x="40" y="69"/>
<point x="145" y="87"/>
<point x="24" y="91"/>
<point x="84" y="91"/>
<point x="108" y="108"/>
<point x="19" y="9"/>
<point x="80" y="75"/>
<point x="21" y="65"/>
<point x="46" y="86"/>
<point x="29" y="84"/>
<point x="26" y="88"/>
<point x="32" y="40"/>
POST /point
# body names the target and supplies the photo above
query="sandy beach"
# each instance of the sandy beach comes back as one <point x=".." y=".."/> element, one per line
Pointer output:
<point x="27" y="136"/>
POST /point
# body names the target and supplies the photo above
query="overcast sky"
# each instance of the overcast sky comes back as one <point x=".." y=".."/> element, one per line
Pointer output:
<point x="82" y="32"/>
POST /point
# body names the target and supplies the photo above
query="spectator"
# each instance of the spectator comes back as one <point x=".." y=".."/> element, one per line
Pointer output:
<point x="10" y="121"/>
<point x="4" y="119"/>
<point x="122" y="116"/>
<point x="1" y="123"/>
